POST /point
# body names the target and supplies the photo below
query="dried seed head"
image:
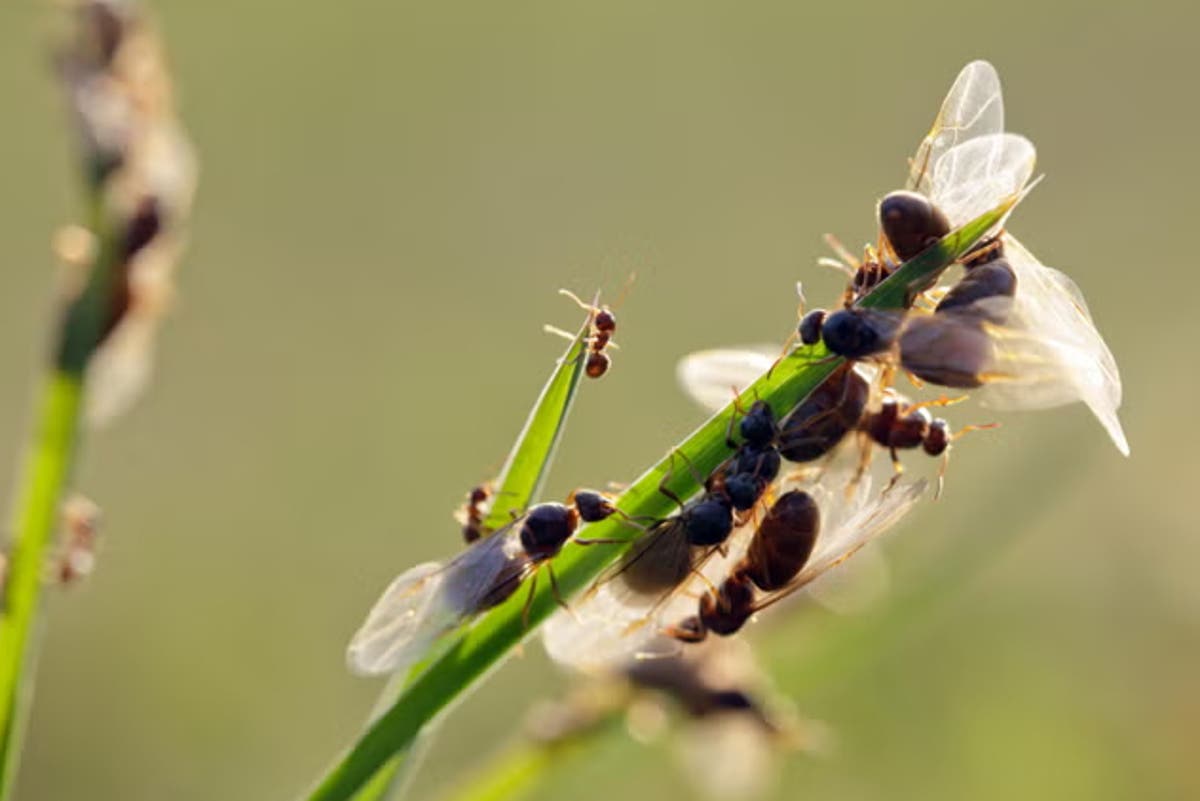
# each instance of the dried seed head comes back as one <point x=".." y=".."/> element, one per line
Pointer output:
<point x="80" y="531"/>
<point x="143" y="170"/>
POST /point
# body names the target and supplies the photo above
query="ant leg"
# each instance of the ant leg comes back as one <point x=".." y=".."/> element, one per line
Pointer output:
<point x="667" y="476"/>
<point x="691" y="467"/>
<point x="558" y="332"/>
<point x="984" y="248"/>
<point x="705" y="580"/>
<point x="587" y="307"/>
<point x="529" y="600"/>
<point x="835" y="264"/>
<point x="946" y="454"/>
<point x="968" y="429"/>
<point x="795" y="334"/>
<point x="938" y="402"/>
<point x="884" y="246"/>
<point x="846" y="260"/>
<point x="737" y="409"/>
<point x="785" y="350"/>
<point x="603" y="541"/>
<point x="865" y="454"/>
<point x="912" y="379"/>
<point x="897" y="470"/>
<point x="558" y="594"/>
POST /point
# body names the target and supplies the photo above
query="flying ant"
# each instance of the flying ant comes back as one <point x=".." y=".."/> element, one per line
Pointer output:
<point x="952" y="347"/>
<point x="779" y="549"/>
<point x="787" y="552"/>
<point x="431" y="599"/>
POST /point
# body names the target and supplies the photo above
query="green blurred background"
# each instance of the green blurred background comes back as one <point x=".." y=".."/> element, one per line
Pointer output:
<point x="389" y="189"/>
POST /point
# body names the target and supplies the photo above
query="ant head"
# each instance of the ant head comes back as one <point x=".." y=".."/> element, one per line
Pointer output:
<point x="592" y="506"/>
<point x="810" y="326"/>
<point x="938" y="438"/>
<point x="605" y="321"/>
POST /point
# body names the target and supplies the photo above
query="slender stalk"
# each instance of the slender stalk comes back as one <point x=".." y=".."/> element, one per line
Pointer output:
<point x="138" y="175"/>
<point x="43" y="481"/>
<point x="520" y="767"/>
<point x="518" y="486"/>
<point x="46" y="470"/>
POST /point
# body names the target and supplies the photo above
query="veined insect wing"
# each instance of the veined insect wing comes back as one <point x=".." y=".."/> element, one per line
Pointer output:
<point x="709" y="377"/>
<point x="404" y="621"/>
<point x="621" y="617"/>
<point x="429" y="600"/>
<point x="851" y="526"/>
<point x="973" y="107"/>
<point x="978" y="175"/>
<point x="1073" y="361"/>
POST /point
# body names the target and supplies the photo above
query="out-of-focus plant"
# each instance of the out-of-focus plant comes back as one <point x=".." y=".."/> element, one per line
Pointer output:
<point x="138" y="178"/>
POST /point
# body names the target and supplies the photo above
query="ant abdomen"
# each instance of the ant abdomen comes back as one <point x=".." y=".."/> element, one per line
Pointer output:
<point x="911" y="223"/>
<point x="783" y="542"/>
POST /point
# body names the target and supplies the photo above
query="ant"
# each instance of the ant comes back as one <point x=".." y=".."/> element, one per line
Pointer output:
<point x="602" y="324"/>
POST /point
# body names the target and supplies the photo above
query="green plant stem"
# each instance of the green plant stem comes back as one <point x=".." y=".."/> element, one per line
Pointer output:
<point x="480" y="648"/>
<point x="45" y="473"/>
<point x="518" y="485"/>
<point x="518" y="768"/>
<point x="42" y="484"/>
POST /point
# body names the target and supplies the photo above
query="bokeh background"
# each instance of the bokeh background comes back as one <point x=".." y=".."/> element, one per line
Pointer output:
<point x="390" y="195"/>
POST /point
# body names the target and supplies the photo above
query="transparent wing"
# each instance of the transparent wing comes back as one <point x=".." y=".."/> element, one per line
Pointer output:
<point x="404" y="622"/>
<point x="429" y="600"/>
<point x="614" y="621"/>
<point x="857" y="585"/>
<point x="1076" y="363"/>
<point x="979" y="174"/>
<point x="710" y="376"/>
<point x="851" y="525"/>
<point x="622" y="617"/>
<point x="974" y="107"/>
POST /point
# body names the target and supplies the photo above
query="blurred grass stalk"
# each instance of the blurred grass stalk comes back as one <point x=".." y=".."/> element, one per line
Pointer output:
<point x="45" y="474"/>
<point x="138" y="177"/>
<point x="518" y="486"/>
<point x="473" y="652"/>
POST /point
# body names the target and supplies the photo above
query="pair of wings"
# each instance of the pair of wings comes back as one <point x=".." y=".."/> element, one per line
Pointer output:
<point x="611" y="625"/>
<point x="429" y="600"/>
<point x="966" y="165"/>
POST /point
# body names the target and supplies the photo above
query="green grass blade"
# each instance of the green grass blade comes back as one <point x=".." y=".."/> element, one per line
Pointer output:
<point x="528" y="463"/>
<point x="44" y="478"/>
<point x="480" y="648"/>
<point x="43" y="482"/>
<point x="518" y="486"/>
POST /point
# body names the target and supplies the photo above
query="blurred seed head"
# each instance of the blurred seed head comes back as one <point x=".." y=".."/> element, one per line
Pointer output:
<point x="143" y="173"/>
<point x="80" y="532"/>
